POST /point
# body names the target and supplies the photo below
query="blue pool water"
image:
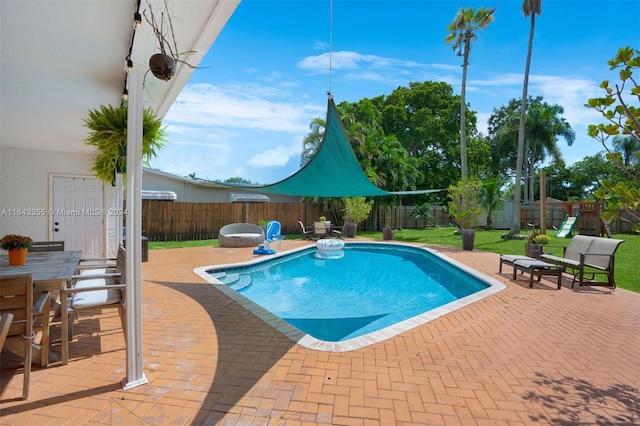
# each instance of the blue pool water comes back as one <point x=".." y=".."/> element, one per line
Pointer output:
<point x="341" y="295"/>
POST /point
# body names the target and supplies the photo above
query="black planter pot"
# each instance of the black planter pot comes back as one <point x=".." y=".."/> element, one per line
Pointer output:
<point x="532" y="250"/>
<point x="350" y="229"/>
<point x="162" y="66"/>
<point x="468" y="237"/>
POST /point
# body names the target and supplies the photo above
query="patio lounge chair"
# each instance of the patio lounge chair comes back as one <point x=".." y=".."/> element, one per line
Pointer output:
<point x="532" y="267"/>
<point x="509" y="259"/>
<point x="586" y="255"/>
<point x="240" y="235"/>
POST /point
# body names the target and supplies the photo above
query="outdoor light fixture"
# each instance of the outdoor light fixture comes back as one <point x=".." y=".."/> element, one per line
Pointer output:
<point x="137" y="20"/>
<point x="125" y="94"/>
<point x="129" y="64"/>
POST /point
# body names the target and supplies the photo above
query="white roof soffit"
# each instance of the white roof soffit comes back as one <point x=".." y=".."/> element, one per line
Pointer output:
<point x="61" y="58"/>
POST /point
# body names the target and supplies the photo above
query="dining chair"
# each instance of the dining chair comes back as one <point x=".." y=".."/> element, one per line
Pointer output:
<point x="320" y="229"/>
<point x="41" y="246"/>
<point x="5" y="322"/>
<point x="16" y="301"/>
<point x="93" y="288"/>
<point x="98" y="265"/>
<point x="306" y="230"/>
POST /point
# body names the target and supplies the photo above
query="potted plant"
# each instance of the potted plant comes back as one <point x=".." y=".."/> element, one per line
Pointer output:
<point x="164" y="65"/>
<point x="356" y="209"/>
<point x="108" y="134"/>
<point x="463" y="206"/>
<point x="535" y="244"/>
<point x="17" y="246"/>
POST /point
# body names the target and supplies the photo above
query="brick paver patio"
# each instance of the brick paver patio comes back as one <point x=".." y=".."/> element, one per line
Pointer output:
<point x="522" y="356"/>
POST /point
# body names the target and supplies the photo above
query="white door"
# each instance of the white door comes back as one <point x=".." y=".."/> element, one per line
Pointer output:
<point x="78" y="214"/>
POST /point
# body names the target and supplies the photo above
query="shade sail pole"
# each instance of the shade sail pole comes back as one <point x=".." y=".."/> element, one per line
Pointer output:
<point x="135" y="375"/>
<point x="330" y="44"/>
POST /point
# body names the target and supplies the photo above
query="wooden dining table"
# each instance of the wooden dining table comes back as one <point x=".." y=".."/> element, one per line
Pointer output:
<point x="49" y="271"/>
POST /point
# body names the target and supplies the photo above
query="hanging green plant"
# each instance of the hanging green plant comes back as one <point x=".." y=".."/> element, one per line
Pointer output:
<point x="108" y="134"/>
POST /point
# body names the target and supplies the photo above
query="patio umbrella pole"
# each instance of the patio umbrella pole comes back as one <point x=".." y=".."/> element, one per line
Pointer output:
<point x="135" y="374"/>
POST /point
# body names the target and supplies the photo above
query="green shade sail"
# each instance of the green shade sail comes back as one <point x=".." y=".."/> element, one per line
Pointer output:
<point x="334" y="171"/>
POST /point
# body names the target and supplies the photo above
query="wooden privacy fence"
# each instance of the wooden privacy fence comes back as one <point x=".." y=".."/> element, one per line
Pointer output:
<point x="178" y="221"/>
<point x="181" y="221"/>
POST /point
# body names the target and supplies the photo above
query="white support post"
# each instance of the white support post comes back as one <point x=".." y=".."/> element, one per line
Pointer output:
<point x="119" y="202"/>
<point x="135" y="374"/>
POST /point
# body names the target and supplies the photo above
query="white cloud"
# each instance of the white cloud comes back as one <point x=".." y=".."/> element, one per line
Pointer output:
<point x="241" y="106"/>
<point x="278" y="156"/>
<point x="320" y="45"/>
<point x="236" y="129"/>
<point x="482" y="120"/>
<point x="569" y="91"/>
<point x="346" y="60"/>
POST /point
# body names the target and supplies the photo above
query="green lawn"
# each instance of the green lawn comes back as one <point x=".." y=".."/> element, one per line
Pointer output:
<point x="627" y="260"/>
<point x="156" y="245"/>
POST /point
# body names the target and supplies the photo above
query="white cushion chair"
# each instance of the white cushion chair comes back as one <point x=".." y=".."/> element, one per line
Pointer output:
<point x="97" y="288"/>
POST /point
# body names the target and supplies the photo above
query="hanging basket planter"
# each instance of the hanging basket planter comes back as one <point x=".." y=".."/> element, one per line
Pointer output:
<point x="108" y="127"/>
<point x="162" y="66"/>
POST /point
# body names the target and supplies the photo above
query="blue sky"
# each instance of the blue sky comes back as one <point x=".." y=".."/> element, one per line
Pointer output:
<point x="267" y="74"/>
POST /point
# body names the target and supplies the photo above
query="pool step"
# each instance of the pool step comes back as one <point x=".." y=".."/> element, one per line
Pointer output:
<point x="243" y="282"/>
<point x="218" y="275"/>
<point x="225" y="278"/>
<point x="234" y="281"/>
<point x="229" y="279"/>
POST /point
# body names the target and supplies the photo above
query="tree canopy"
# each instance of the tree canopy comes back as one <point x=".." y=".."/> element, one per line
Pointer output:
<point x="543" y="125"/>
<point x="619" y="107"/>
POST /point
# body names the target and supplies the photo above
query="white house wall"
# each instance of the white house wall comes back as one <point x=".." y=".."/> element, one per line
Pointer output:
<point x="25" y="190"/>
<point x="191" y="192"/>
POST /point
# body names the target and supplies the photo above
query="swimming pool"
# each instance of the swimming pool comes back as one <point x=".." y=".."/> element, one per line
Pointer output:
<point x="346" y="299"/>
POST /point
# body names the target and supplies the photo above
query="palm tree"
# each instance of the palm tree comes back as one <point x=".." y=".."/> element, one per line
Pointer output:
<point x="463" y="31"/>
<point x="543" y="126"/>
<point x="312" y="140"/>
<point x="629" y="149"/>
<point x="490" y="195"/>
<point x="529" y="8"/>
